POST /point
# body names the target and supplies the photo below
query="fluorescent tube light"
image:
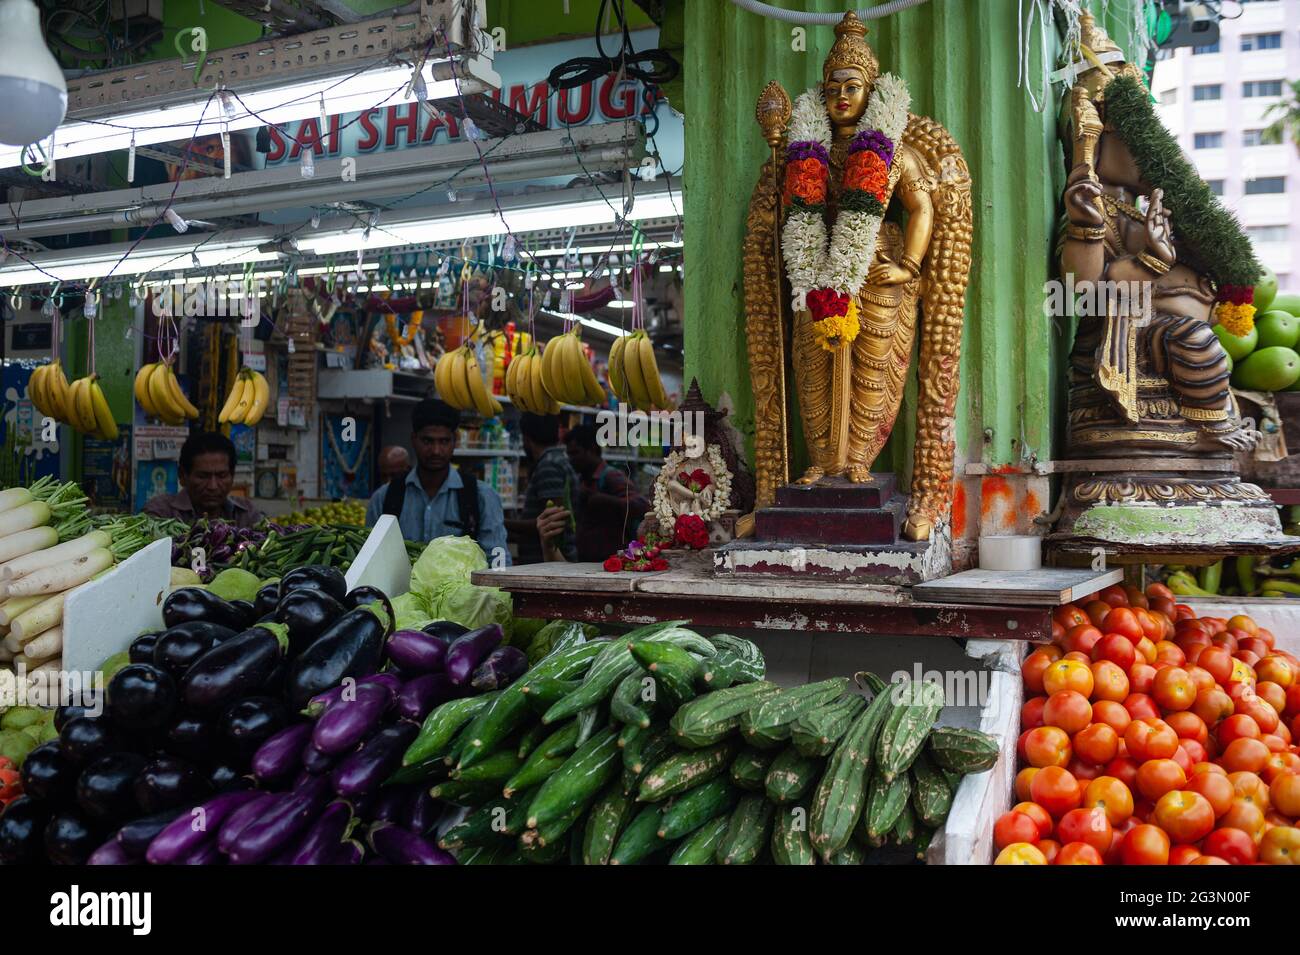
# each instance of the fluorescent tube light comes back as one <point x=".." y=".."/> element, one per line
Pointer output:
<point x="594" y="324"/>
<point x="100" y="262"/>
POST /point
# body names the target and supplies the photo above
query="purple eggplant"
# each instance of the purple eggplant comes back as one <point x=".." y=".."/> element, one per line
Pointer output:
<point x="136" y="836"/>
<point x="502" y="667"/>
<point x="416" y="651"/>
<point x="374" y="762"/>
<point x="325" y="836"/>
<point x="348" y="722"/>
<point x="316" y="762"/>
<point x="234" y="669"/>
<point x="190" y="830"/>
<point x="272" y="831"/>
<point x="448" y="630"/>
<point x="350" y="853"/>
<point x="402" y="847"/>
<point x="281" y="756"/>
<point x="243" y="817"/>
<point x="321" y="702"/>
<point x="391" y="804"/>
<point x="468" y="651"/>
<point x="352" y="647"/>
<point x="422" y="813"/>
<point x="110" y="853"/>
<point x="206" y="853"/>
<point x="417" y="697"/>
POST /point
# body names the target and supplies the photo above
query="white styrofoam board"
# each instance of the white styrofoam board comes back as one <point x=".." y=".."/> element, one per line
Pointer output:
<point x="102" y="617"/>
<point x="382" y="561"/>
<point x="1281" y="615"/>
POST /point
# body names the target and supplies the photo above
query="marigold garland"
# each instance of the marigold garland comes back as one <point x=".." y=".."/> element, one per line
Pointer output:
<point x="835" y="330"/>
<point x="1236" y="319"/>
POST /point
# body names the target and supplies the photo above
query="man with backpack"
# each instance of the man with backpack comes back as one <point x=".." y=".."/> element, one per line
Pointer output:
<point x="436" y="500"/>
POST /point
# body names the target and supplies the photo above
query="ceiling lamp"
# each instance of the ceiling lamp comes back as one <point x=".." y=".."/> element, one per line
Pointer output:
<point x="31" y="83"/>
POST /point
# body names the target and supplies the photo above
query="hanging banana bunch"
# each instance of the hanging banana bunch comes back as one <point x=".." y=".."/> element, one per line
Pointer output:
<point x="567" y="375"/>
<point x="524" y="383"/>
<point x="634" y="373"/>
<point x="458" y="379"/>
<point x="159" y="393"/>
<point x="50" y="392"/>
<point x="248" y="399"/>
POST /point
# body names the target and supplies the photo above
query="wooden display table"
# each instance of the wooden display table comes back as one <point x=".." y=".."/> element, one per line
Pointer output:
<point x="956" y="606"/>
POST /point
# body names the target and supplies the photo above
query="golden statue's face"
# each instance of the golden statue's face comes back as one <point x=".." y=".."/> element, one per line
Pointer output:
<point x="846" y="97"/>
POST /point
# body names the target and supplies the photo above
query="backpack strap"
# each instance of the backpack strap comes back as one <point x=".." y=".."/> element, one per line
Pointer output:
<point x="395" y="496"/>
<point x="467" y="504"/>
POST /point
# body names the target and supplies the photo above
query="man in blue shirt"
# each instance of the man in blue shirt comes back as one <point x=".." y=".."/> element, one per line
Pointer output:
<point x="435" y="499"/>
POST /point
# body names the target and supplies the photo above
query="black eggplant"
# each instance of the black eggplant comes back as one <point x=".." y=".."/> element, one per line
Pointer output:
<point x="168" y="782"/>
<point x="248" y="609"/>
<point x="70" y="838"/>
<point x="469" y="650"/>
<point x="360" y="596"/>
<point x="234" y="669"/>
<point x="106" y="787"/>
<point x="307" y="613"/>
<point x="314" y="761"/>
<point x="86" y="738"/>
<point x="141" y="648"/>
<point x="266" y="599"/>
<point x="246" y="724"/>
<point x="280" y="756"/>
<point x="392" y="803"/>
<point x="195" y="603"/>
<point x="422" y="812"/>
<point x="352" y="647"/>
<point x="272" y="832"/>
<point x="447" y="629"/>
<point x="49" y="774"/>
<point x="190" y="736"/>
<point x="21" y="826"/>
<point x="178" y="648"/>
<point x="227" y="777"/>
<point x="93" y="706"/>
<point x="375" y="761"/>
<point x="135" y="836"/>
<point x="315" y="577"/>
<point x="141" y="696"/>
<point x="110" y="853"/>
<point x="502" y="667"/>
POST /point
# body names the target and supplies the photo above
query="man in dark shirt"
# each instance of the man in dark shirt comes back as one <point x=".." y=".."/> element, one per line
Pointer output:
<point x="551" y="479"/>
<point x="206" y="471"/>
<point x="609" y="506"/>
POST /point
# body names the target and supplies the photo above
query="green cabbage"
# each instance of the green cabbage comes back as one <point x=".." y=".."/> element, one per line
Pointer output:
<point x="473" y="607"/>
<point x="411" y="612"/>
<point x="441" y="588"/>
<point x="446" y="560"/>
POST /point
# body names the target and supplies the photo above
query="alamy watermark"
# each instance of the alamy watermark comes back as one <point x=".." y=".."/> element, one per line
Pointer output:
<point x="1088" y="299"/>
<point x="48" y="688"/>
<point x="677" y="429"/>
<point x="216" y="298"/>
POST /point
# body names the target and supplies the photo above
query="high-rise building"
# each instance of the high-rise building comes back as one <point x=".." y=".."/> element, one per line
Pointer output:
<point x="1213" y="98"/>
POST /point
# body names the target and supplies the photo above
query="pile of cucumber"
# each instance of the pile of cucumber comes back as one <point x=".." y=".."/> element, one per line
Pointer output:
<point x="662" y="745"/>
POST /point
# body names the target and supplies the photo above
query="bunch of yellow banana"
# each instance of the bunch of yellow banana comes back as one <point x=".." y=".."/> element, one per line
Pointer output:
<point x="634" y="373"/>
<point x="524" y="384"/>
<point x="160" y="394"/>
<point x="50" y="392"/>
<point x="459" y="381"/>
<point x="566" y="373"/>
<point x="247" y="400"/>
<point x="88" y="409"/>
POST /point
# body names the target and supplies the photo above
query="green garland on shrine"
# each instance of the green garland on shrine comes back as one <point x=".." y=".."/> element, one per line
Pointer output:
<point x="1209" y="237"/>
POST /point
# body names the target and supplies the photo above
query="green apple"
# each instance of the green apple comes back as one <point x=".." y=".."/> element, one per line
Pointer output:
<point x="1277" y="327"/>
<point x="1268" y="369"/>
<point x="1237" y="346"/>
<point x="1265" y="289"/>
<point x="1287" y="301"/>
<point x="1231" y="364"/>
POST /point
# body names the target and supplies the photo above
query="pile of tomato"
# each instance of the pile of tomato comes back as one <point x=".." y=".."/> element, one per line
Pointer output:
<point x="11" y="784"/>
<point x="1151" y="736"/>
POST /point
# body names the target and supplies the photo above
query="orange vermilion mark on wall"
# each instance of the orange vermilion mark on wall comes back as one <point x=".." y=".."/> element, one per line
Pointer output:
<point x="1032" y="506"/>
<point x="958" y="510"/>
<point x="1004" y="469"/>
<point x="994" y="492"/>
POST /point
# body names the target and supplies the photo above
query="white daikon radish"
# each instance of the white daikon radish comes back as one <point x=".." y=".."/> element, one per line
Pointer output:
<point x="51" y="555"/>
<point x="31" y="663"/>
<point x="12" y="607"/>
<point x="6" y="656"/>
<point x="14" y="497"/>
<point x="26" y="542"/>
<point x="12" y="644"/>
<point x="47" y="645"/>
<point x="64" y="576"/>
<point x="46" y="614"/>
<point x="31" y="514"/>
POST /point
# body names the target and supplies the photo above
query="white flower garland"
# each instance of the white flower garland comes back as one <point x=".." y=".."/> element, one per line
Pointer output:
<point x="811" y="262"/>
<point x="677" y="462"/>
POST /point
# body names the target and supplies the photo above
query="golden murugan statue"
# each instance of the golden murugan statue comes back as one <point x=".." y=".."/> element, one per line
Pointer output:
<point x="822" y="218"/>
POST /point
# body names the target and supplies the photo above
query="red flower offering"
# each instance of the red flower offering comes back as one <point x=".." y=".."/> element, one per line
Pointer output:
<point x="614" y="564"/>
<point x="691" y="531"/>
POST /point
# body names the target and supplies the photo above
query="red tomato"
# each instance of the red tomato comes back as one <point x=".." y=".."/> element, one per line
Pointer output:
<point x="1277" y="764"/>
<point x="1146" y="650"/>
<point x="1037" y="813"/>
<point x="1173" y="689"/>
<point x="1185" y="612"/>
<point x="1031" y="714"/>
<point x="1020" y="853"/>
<point x="1253" y="645"/>
<point x="1215" y="787"/>
<point x="1125" y="769"/>
<point x="1244" y="755"/>
<point x="1248" y="787"/>
<point x="1083" y="771"/>
<point x="1265" y="716"/>
<point x="1090" y="826"/>
<point x="1164" y="607"/>
<point x="1201" y="677"/>
<point x="1186" y="639"/>
<point x="1032" y="670"/>
<point x="1097" y="743"/>
<point x="1114" y="595"/>
<point x="1141" y="707"/>
<point x="1111" y="713"/>
<point x="1267" y="636"/>
<point x="1082" y="638"/>
<point x="1023" y="780"/>
<point x="1078" y="853"/>
<point x="1156" y="777"/>
<point x="1014" y="827"/>
<point x="1247" y="817"/>
<point x="1271" y="693"/>
<point x="1281" y="846"/>
<point x="1225" y="641"/>
<point x="1058" y="634"/>
<point x="1212" y="706"/>
<point x="1136" y="598"/>
<point x="1049" y="848"/>
<point x="1157" y="589"/>
<point x="1068" y="615"/>
<point x="1047" y="746"/>
<point x="1188" y="726"/>
<point x="1150" y="739"/>
<point x="1141" y="677"/>
<point x="1218" y="661"/>
<point x="1235" y="727"/>
<point x="1231" y="845"/>
<point x="1183" y="758"/>
<point x="1152" y="628"/>
<point x="1096" y="611"/>
<point x="1067" y="710"/>
<point x="1066" y="674"/>
<point x="1056" y="790"/>
<point x="1247" y="657"/>
<point x="1183" y="855"/>
<point x="1146" y="845"/>
<point x="1170" y="653"/>
<point x="1187" y="816"/>
<point x="1124" y="622"/>
<point x="1109" y="681"/>
<point x="1284" y="794"/>
<point x="1116" y="648"/>
<point x="1111" y="796"/>
<point x="1276" y="669"/>
<point x="1195" y="752"/>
